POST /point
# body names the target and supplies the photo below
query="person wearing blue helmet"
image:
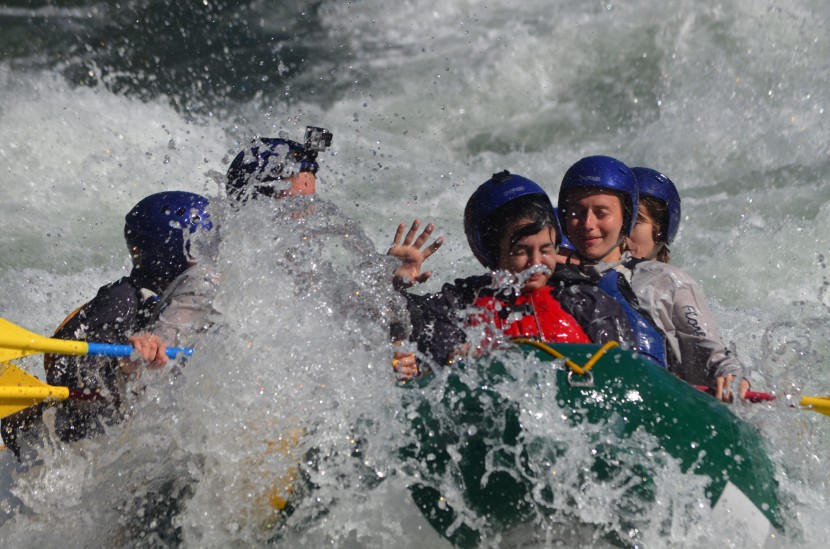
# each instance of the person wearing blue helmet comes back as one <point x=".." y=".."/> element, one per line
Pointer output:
<point x="158" y="232"/>
<point x="600" y="192"/>
<point x="659" y="216"/>
<point x="510" y="227"/>
<point x="276" y="167"/>
<point x="599" y="204"/>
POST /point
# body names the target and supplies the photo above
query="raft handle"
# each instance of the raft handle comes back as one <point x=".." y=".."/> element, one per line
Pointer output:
<point x="587" y="380"/>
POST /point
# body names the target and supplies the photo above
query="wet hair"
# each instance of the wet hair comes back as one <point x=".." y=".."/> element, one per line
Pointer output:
<point x="659" y="213"/>
<point x="534" y="208"/>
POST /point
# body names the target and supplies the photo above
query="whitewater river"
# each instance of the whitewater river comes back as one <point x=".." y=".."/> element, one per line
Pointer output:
<point x="104" y="103"/>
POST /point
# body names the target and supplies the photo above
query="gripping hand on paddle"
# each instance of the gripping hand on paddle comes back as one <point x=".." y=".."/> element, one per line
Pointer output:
<point x="411" y="255"/>
<point x="723" y="388"/>
<point x="405" y="365"/>
<point x="150" y="349"/>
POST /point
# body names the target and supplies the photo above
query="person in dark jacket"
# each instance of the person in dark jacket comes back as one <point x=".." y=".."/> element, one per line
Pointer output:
<point x="158" y="232"/>
<point x="511" y="228"/>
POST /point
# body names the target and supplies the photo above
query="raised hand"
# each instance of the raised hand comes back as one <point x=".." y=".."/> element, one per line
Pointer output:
<point x="408" y="250"/>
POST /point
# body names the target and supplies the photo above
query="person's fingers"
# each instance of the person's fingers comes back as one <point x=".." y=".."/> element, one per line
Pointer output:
<point x="150" y="348"/>
<point x="405" y="365"/>
<point x="410" y="235"/>
<point x="433" y="247"/>
<point x="422" y="238"/>
<point x="423" y="277"/>
<point x="400" y="364"/>
<point x="724" y="392"/>
<point x="145" y="349"/>
<point x="160" y="357"/>
<point x="719" y="382"/>
<point x="151" y="351"/>
<point x="743" y="388"/>
<point x="398" y="235"/>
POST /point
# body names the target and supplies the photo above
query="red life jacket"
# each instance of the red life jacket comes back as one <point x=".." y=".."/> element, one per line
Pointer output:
<point x="517" y="318"/>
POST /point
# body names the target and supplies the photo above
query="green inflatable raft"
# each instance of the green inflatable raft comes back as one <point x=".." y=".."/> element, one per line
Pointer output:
<point x="486" y="459"/>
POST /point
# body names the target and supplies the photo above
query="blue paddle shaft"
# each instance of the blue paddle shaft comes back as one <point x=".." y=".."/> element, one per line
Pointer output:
<point x="108" y="349"/>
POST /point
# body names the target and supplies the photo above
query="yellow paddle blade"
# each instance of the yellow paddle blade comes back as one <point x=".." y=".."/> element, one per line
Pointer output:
<point x="819" y="404"/>
<point x="19" y="390"/>
<point x="17" y="342"/>
<point x="279" y="493"/>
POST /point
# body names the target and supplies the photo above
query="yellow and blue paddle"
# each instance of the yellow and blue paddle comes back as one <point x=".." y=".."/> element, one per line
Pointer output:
<point x="19" y="390"/>
<point x="17" y="342"/>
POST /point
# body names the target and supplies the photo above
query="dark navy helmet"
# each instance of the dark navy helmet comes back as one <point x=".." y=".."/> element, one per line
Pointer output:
<point x="267" y="161"/>
<point x="158" y="231"/>
<point x="500" y="190"/>
<point x="656" y="185"/>
<point x="603" y="173"/>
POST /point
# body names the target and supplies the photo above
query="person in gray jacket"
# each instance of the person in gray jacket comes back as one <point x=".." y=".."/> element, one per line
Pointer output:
<point x="658" y="221"/>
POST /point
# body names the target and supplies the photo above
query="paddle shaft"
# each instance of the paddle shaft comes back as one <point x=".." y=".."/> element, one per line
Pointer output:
<point x="108" y="349"/>
<point x="54" y="392"/>
<point x="751" y="396"/>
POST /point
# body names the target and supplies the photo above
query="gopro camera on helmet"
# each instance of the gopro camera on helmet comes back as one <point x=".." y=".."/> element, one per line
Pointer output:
<point x="317" y="139"/>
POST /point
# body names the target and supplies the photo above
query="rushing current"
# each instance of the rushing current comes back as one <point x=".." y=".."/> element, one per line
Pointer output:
<point x="291" y="392"/>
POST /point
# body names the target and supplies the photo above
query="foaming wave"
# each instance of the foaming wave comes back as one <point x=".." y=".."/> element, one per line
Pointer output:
<point x="74" y="160"/>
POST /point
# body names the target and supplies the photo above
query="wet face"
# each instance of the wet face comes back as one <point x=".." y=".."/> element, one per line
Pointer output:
<point x="594" y="221"/>
<point x="535" y="249"/>
<point x="641" y="242"/>
<point x="303" y="183"/>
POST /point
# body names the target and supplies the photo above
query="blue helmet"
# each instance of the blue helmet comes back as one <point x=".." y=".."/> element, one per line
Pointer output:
<point x="261" y="165"/>
<point x="601" y="172"/>
<point x="564" y="241"/>
<point x="158" y="229"/>
<point x="656" y="185"/>
<point x="498" y="191"/>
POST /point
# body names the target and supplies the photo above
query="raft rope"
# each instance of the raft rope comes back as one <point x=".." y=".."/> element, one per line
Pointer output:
<point x="575" y="368"/>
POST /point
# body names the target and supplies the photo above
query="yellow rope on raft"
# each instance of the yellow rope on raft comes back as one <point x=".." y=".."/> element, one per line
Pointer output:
<point x="580" y="370"/>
